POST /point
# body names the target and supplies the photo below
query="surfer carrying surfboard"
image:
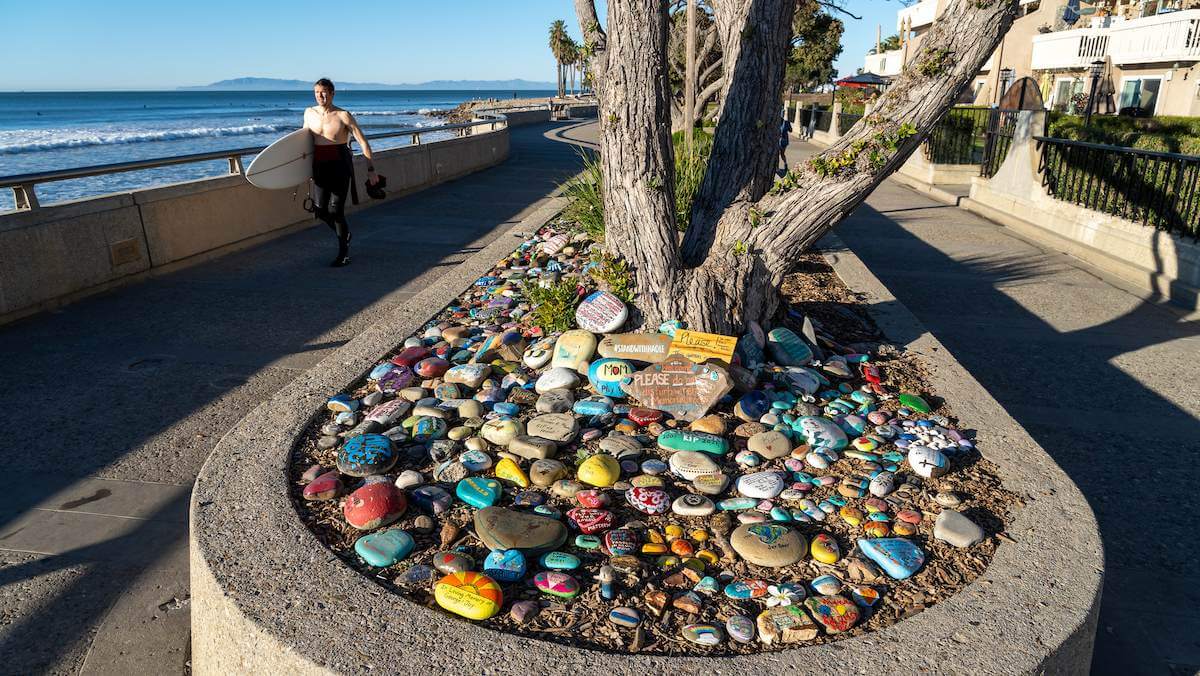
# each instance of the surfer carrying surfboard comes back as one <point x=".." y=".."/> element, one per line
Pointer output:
<point x="333" y="164"/>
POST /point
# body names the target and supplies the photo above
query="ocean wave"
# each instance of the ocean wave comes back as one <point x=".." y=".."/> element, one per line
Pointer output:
<point x="29" y="141"/>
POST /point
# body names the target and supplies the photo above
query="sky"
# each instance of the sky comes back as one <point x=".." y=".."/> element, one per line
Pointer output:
<point x="137" y="44"/>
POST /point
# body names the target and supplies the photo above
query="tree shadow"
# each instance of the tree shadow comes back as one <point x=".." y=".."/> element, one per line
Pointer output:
<point x="1087" y="370"/>
<point x="162" y="368"/>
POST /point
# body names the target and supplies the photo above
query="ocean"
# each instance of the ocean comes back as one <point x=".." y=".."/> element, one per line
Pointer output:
<point x="41" y="131"/>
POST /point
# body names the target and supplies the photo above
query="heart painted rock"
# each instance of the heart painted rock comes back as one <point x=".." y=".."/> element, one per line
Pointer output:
<point x="648" y="500"/>
<point x="374" y="505"/>
<point x="366" y="454"/>
<point x="472" y="595"/>
<point x="898" y="557"/>
<point x="478" y="491"/>
<point x="384" y="549"/>
<point x="557" y="584"/>
<point x="620" y="542"/>
<point x="835" y="613"/>
<point x="590" y="521"/>
<point x="501" y="528"/>
<point x="505" y="565"/>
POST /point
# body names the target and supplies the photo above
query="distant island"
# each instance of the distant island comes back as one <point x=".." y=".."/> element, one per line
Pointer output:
<point x="273" y="84"/>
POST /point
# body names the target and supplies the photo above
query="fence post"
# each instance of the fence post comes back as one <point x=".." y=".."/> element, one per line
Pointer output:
<point x="25" y="197"/>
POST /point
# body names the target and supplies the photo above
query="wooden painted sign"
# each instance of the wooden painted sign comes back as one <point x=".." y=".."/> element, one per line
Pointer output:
<point x="700" y="347"/>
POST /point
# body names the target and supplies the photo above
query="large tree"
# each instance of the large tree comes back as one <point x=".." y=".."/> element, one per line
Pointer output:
<point x="746" y="226"/>
<point x="558" y="47"/>
<point x="817" y="42"/>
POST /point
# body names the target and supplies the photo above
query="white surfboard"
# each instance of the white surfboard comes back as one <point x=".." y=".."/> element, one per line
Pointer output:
<point x="285" y="163"/>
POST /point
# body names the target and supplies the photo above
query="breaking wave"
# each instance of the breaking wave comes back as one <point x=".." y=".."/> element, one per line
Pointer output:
<point x="29" y="141"/>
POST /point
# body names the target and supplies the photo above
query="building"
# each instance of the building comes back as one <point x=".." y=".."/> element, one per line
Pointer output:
<point x="1146" y="51"/>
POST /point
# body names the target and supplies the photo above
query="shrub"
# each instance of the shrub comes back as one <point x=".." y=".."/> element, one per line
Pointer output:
<point x="689" y="172"/>
<point x="1168" y="134"/>
<point x="613" y="274"/>
<point x="553" y="305"/>
<point x="585" y="203"/>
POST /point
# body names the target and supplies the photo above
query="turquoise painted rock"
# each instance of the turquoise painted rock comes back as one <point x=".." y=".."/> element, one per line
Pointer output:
<point x="898" y="557"/>
<point x="429" y="428"/>
<point x="741" y="590"/>
<point x="505" y="565"/>
<point x="478" y="491"/>
<point x="680" y="440"/>
<point x="384" y="549"/>
<point x="787" y="348"/>
<point x="606" y="375"/>
<point x="559" y="561"/>
<point x="821" y="433"/>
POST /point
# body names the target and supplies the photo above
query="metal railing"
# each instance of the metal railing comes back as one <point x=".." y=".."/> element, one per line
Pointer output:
<point x="1001" y="126"/>
<point x="824" y="119"/>
<point x="1156" y="189"/>
<point x="24" y="191"/>
<point x="958" y="138"/>
<point x="847" y="120"/>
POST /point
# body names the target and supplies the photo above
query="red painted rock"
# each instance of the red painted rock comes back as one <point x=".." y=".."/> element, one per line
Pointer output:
<point x="592" y="499"/>
<point x="409" y="356"/>
<point x="374" y="505"/>
<point x="590" y="521"/>
<point x="645" y="416"/>
<point x="325" y="487"/>
<point x="648" y="500"/>
<point x="432" y="367"/>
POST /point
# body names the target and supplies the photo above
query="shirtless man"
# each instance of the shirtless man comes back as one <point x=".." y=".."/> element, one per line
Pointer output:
<point x="333" y="165"/>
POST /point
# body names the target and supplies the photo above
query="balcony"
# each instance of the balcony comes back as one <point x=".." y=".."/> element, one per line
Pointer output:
<point x="1072" y="49"/>
<point x="886" y="64"/>
<point x="1166" y="37"/>
<point x="922" y="14"/>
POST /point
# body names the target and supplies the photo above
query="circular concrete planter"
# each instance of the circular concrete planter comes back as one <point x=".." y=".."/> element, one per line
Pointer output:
<point x="268" y="597"/>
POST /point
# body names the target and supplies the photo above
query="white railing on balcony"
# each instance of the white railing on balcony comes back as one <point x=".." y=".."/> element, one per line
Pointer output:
<point x="922" y="14"/>
<point x="886" y="64"/>
<point x="1166" y="37"/>
<point x="1069" y="49"/>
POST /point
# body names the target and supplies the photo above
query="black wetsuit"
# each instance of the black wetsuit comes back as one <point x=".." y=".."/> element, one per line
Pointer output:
<point x="333" y="178"/>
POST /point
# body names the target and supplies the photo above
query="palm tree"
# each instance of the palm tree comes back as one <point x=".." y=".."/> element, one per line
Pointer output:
<point x="558" y="42"/>
<point x="572" y="48"/>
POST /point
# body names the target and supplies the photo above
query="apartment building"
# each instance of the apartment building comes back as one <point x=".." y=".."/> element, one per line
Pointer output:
<point x="1146" y="51"/>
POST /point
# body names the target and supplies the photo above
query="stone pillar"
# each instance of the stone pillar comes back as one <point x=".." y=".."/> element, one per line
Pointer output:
<point x="835" y="125"/>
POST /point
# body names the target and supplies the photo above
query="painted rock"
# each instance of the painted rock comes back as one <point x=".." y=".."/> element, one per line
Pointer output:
<point x="769" y="545"/>
<point x="679" y="386"/>
<point x="785" y="624"/>
<point x="681" y="440"/>
<point x="741" y="590"/>
<point x="557" y="427"/>
<point x="599" y="470"/>
<point x="452" y="562"/>
<point x="501" y="431"/>
<point x="432" y="498"/>
<point x="882" y="484"/>
<point x="559" y="561"/>
<point x="501" y="528"/>
<point x="395" y="379"/>
<point x="821" y="433"/>
<point x="601" y="312"/>
<point x="690" y="464"/>
<point x="478" y="491"/>
<point x="555" y="400"/>
<point x="409" y="356"/>
<point x="788" y="349"/>
<point x="752" y="406"/>
<point x="384" y="549"/>
<point x="432" y="367"/>
<point x="557" y="378"/>
<point x="760" y="485"/>
<point x="505" y="565"/>
<point x="342" y="403"/>
<point x="573" y="350"/>
<point x="606" y="376"/>
<point x="594" y="405"/>
<point x="826" y="585"/>
<point x="624" y="617"/>
<point x="703" y="634"/>
<point x="648" y="500"/>
<point x="538" y="355"/>
<point x="472" y="595"/>
<point x="914" y="402"/>
<point x="389" y="412"/>
<point x="428" y="428"/>
<point x="510" y="471"/>
<point x="691" y="504"/>
<point x="835" y="613"/>
<point x="927" y="462"/>
<point x="771" y="445"/>
<point x="374" y="505"/>
<point x="643" y="347"/>
<point x="825" y="549"/>
<point x="590" y="521"/>
<point x="898" y="557"/>
<point x="366" y="454"/>
<point x="740" y="628"/>
<point x="475" y="461"/>
<point x="325" y="487"/>
<point x="557" y="584"/>
<point x="544" y="472"/>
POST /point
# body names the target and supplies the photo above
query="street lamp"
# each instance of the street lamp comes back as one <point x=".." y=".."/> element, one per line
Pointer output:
<point x="1096" y="69"/>
<point x="1006" y="78"/>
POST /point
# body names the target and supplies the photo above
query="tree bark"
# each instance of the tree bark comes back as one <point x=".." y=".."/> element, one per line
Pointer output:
<point x="746" y="226"/>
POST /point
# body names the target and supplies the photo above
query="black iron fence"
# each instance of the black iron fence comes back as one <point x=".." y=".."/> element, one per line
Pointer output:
<point x="805" y="118"/>
<point x="824" y="119"/>
<point x="847" y="120"/>
<point x="1152" y="188"/>
<point x="958" y="138"/>
<point x="999" y="136"/>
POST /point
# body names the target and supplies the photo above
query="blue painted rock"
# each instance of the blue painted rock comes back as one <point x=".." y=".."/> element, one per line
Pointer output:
<point x="384" y="549"/>
<point x="752" y="406"/>
<point x="769" y="545"/>
<point x="597" y="405"/>
<point x="821" y="432"/>
<point x="478" y="491"/>
<point x="556" y="584"/>
<point x="746" y="589"/>
<point x="898" y="557"/>
<point x="826" y="585"/>
<point x="680" y="440"/>
<point x="374" y="505"/>
<point x="342" y="403"/>
<point x="601" y="312"/>
<point x="428" y="428"/>
<point x="475" y="461"/>
<point x="559" y="561"/>
<point x="432" y="498"/>
<point x="787" y="348"/>
<point x="606" y="376"/>
<point x="501" y="528"/>
<point x="620" y="542"/>
<point x="505" y="565"/>
<point x="750" y="352"/>
<point x="624" y="617"/>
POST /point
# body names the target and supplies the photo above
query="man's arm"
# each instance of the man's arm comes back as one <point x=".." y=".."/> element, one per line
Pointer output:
<point x="366" y="147"/>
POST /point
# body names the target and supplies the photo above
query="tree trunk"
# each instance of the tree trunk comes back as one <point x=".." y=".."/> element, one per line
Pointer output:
<point x="746" y="226"/>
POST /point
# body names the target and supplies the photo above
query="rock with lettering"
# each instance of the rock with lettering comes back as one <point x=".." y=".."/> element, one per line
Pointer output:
<point x="683" y="440"/>
<point x="501" y="528"/>
<point x="366" y="454"/>
<point x="606" y="376"/>
<point x="641" y="347"/>
<point x="601" y="312"/>
<point x="557" y="427"/>
<point x="701" y="347"/>
<point x="679" y="386"/>
<point x="770" y="545"/>
<point x="573" y="350"/>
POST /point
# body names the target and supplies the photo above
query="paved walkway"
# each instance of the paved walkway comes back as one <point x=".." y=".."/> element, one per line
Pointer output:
<point x="109" y="407"/>
<point x="1108" y="384"/>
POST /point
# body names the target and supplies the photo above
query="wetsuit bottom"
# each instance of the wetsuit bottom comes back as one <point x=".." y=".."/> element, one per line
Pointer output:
<point x="332" y="175"/>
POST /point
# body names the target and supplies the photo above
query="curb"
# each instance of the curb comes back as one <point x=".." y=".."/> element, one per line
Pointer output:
<point x="267" y="597"/>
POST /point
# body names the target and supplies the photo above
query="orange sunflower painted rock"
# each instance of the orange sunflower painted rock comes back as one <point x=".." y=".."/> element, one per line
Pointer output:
<point x="474" y="596"/>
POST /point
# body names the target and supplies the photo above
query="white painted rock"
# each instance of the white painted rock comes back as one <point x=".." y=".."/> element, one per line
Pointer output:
<point x="882" y="484"/>
<point x="690" y="464"/>
<point x="761" y="485"/>
<point x="557" y="378"/>
<point x="927" y="462"/>
<point x="692" y="504"/>
<point x="601" y="312"/>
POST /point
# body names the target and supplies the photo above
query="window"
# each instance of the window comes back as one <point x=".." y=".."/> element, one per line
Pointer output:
<point x="1065" y="90"/>
<point x="1140" y="92"/>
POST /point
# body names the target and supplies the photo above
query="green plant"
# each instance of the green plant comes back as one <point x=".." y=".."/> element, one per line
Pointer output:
<point x="553" y="305"/>
<point x="1170" y="134"/>
<point x="614" y="274"/>
<point x="936" y="62"/>
<point x="689" y="172"/>
<point x="585" y="201"/>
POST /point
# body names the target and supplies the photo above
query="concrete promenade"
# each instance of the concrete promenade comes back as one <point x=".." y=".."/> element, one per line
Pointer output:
<point x="1106" y="382"/>
<point x="109" y="406"/>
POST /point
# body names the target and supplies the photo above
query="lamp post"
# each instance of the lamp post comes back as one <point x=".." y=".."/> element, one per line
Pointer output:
<point x="1006" y="78"/>
<point x="1096" y="69"/>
